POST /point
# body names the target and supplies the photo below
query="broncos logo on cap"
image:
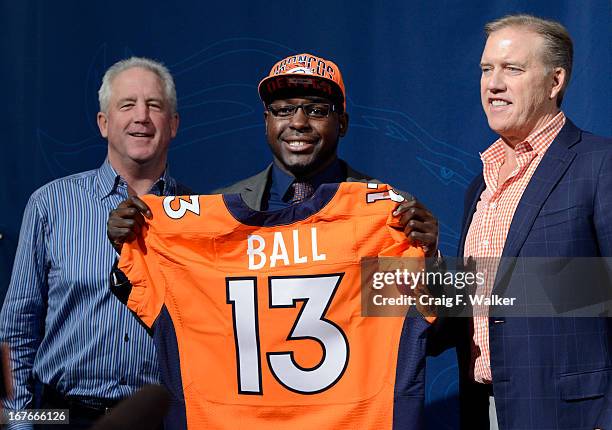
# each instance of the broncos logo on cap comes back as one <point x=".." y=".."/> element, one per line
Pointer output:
<point x="304" y="70"/>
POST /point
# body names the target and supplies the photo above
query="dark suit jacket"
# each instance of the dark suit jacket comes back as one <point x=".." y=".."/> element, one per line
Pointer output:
<point x="549" y="372"/>
<point x="253" y="189"/>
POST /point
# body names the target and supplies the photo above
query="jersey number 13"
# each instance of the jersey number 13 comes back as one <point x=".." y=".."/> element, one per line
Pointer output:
<point x="317" y="293"/>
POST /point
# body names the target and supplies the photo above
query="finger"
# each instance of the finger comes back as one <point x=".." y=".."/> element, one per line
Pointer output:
<point x="142" y="207"/>
<point x="138" y="204"/>
<point x="125" y="234"/>
<point x="404" y="206"/>
<point x="126" y="213"/>
<point x="120" y="230"/>
<point x="418" y="214"/>
<point x="407" y="204"/>
<point x="423" y="227"/>
<point x="125" y="223"/>
<point x="426" y="239"/>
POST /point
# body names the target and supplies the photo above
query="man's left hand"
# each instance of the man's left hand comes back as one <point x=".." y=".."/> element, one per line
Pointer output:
<point x="419" y="225"/>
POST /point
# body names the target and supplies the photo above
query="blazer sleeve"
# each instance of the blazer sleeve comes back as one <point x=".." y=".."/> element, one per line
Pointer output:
<point x="602" y="219"/>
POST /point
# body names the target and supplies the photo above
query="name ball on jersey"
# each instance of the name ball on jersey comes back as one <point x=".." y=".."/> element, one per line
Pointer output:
<point x="261" y="252"/>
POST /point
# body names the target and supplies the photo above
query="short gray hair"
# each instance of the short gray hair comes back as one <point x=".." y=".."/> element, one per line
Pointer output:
<point x="558" y="46"/>
<point x="104" y="93"/>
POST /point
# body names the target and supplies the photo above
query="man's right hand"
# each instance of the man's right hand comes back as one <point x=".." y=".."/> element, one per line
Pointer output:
<point x="124" y="223"/>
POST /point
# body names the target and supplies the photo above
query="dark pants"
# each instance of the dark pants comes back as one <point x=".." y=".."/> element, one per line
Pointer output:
<point x="82" y="414"/>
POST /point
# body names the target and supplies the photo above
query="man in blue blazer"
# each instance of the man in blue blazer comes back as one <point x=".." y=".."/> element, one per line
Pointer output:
<point x="545" y="191"/>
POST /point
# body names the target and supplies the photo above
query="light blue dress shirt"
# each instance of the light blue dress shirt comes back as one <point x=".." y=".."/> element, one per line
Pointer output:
<point x="62" y="324"/>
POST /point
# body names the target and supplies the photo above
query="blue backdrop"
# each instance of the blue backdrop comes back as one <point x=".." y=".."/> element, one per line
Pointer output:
<point x="410" y="67"/>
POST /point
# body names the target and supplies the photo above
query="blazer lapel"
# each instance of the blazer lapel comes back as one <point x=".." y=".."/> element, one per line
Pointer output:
<point x="253" y="192"/>
<point x="554" y="164"/>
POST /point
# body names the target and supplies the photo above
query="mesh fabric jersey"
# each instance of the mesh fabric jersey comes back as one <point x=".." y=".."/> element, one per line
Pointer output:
<point x="257" y="315"/>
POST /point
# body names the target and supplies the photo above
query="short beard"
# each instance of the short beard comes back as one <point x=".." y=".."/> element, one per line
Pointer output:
<point x="306" y="171"/>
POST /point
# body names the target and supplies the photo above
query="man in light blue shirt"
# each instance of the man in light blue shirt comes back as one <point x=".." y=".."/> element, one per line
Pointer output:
<point x="65" y="330"/>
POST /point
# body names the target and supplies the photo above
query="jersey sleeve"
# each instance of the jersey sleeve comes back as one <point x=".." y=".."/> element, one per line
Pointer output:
<point x="140" y="263"/>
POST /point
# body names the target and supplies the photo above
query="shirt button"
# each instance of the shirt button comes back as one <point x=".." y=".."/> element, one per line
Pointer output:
<point x="493" y="205"/>
<point x="485" y="242"/>
<point x="126" y="338"/>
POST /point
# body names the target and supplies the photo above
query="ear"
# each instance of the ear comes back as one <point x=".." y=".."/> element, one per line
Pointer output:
<point x="558" y="81"/>
<point x="343" y="123"/>
<point x="266" y="115"/>
<point x="174" y="125"/>
<point x="102" y="121"/>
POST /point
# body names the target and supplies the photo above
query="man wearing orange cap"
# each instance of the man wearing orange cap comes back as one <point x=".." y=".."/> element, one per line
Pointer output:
<point x="305" y="116"/>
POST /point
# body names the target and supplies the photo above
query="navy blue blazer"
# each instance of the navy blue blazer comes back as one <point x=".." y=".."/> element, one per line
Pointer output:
<point x="549" y="372"/>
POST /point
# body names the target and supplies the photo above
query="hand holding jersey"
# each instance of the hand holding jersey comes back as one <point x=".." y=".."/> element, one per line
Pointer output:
<point x="124" y="222"/>
<point x="419" y="225"/>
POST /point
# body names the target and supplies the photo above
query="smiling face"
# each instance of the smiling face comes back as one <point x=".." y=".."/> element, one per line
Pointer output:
<point x="139" y="124"/>
<point x="518" y="91"/>
<point x="304" y="146"/>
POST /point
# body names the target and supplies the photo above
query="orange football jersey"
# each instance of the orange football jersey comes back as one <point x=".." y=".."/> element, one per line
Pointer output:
<point x="258" y="314"/>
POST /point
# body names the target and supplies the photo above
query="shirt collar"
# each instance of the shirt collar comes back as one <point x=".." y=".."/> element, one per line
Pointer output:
<point x="110" y="182"/>
<point x="334" y="173"/>
<point x="541" y="139"/>
<point x="538" y="141"/>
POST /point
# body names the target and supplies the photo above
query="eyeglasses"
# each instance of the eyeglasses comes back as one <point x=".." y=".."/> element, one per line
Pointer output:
<point x="312" y="110"/>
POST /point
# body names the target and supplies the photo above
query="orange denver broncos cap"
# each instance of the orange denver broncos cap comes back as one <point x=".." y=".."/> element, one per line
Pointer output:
<point x="304" y="73"/>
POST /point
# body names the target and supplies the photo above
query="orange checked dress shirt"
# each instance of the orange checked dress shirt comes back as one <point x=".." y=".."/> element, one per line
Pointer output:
<point x="494" y="212"/>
